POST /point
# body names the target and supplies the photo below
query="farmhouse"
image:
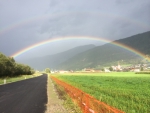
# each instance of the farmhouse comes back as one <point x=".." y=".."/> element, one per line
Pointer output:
<point x="106" y="70"/>
<point x="136" y="70"/>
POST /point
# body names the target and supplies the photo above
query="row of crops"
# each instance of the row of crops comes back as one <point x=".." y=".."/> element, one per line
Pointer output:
<point x="128" y="92"/>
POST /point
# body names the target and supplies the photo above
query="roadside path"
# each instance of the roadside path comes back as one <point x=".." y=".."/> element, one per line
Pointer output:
<point x="27" y="96"/>
<point x="54" y="104"/>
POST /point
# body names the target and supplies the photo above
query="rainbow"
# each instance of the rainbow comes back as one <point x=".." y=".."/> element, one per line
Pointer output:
<point x="76" y="37"/>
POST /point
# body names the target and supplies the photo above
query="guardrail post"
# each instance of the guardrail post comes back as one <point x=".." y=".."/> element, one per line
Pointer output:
<point x="4" y="81"/>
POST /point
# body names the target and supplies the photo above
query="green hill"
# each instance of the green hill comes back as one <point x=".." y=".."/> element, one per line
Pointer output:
<point x="52" y="61"/>
<point x="109" y="54"/>
<point x="140" y="42"/>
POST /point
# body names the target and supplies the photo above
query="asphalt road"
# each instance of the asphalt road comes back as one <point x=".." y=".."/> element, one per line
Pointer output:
<point x="27" y="96"/>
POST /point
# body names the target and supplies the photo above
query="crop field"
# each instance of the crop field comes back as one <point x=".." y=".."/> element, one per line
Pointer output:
<point x="128" y="92"/>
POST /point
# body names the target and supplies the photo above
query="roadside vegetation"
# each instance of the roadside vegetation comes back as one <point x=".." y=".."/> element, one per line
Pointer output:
<point x="9" y="68"/>
<point x="128" y="91"/>
<point x="10" y="71"/>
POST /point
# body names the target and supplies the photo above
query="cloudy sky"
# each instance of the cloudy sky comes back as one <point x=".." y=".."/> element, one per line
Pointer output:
<point x="24" y="23"/>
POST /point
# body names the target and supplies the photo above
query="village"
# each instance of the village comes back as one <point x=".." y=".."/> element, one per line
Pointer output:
<point x="114" y="68"/>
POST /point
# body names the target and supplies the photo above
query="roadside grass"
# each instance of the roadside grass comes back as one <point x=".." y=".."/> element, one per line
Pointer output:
<point x="68" y="104"/>
<point x="17" y="78"/>
<point x="126" y="91"/>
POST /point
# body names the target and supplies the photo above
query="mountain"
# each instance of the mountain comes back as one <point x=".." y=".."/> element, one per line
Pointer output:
<point x="52" y="61"/>
<point x="140" y="42"/>
<point x="110" y="54"/>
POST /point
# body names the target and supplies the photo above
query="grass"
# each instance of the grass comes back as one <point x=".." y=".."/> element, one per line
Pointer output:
<point x="128" y="91"/>
<point x="18" y="78"/>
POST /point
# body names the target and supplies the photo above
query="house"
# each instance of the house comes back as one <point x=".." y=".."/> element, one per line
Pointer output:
<point x="106" y="70"/>
<point x="136" y="70"/>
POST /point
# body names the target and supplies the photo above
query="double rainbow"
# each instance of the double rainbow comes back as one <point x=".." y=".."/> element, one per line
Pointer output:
<point x="43" y="17"/>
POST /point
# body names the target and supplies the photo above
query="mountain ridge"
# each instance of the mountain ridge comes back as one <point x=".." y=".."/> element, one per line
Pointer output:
<point x="108" y="53"/>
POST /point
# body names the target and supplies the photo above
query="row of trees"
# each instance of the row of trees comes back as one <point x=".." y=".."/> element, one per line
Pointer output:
<point x="8" y="67"/>
<point x="47" y="70"/>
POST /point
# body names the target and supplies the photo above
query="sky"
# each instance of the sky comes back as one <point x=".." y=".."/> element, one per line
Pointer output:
<point x="24" y="23"/>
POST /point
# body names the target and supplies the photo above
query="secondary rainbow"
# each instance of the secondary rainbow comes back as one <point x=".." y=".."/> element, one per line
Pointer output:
<point x="58" y="15"/>
<point x="76" y="37"/>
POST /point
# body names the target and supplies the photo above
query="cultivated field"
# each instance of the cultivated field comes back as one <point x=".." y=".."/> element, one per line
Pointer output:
<point x="128" y="92"/>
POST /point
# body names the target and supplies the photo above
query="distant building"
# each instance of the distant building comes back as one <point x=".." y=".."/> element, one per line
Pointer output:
<point x="117" y="68"/>
<point x="106" y="70"/>
<point x="52" y="72"/>
<point x="62" y="71"/>
<point x="88" y="70"/>
<point x="136" y="70"/>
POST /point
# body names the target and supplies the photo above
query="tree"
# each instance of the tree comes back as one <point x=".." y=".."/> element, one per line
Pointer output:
<point x="47" y="70"/>
<point x="103" y="69"/>
<point x="110" y="69"/>
<point x="8" y="67"/>
<point x="141" y="69"/>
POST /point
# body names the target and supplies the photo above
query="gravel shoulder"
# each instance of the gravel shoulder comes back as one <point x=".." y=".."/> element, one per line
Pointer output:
<point x="54" y="104"/>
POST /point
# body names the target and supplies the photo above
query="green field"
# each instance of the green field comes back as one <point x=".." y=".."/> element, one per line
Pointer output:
<point x="128" y="92"/>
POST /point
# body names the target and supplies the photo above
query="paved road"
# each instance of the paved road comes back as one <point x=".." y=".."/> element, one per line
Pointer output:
<point x="27" y="96"/>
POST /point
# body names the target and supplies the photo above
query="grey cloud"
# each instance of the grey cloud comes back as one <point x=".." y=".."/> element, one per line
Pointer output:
<point x="124" y="1"/>
<point x="77" y="24"/>
<point x="142" y="15"/>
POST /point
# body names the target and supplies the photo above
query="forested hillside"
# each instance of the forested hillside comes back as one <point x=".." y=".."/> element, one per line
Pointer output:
<point x="9" y="68"/>
<point x="53" y="61"/>
<point x="140" y="42"/>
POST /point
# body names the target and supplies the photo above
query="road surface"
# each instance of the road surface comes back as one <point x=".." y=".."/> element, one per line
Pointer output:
<point x="27" y="96"/>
